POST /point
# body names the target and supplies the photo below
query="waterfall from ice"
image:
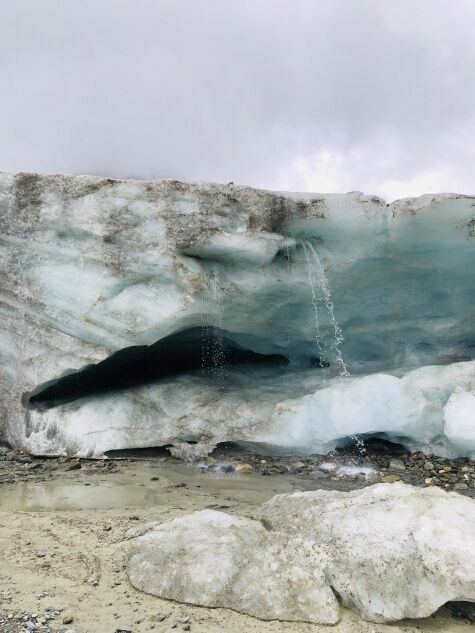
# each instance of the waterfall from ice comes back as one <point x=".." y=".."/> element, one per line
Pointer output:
<point x="328" y="346"/>
<point x="213" y="318"/>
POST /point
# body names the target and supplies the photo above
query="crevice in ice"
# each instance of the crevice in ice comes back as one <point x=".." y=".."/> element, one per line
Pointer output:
<point x="206" y="347"/>
<point x="150" y="452"/>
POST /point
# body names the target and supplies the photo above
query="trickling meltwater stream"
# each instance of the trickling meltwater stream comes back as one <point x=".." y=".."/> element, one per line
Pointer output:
<point x="328" y="347"/>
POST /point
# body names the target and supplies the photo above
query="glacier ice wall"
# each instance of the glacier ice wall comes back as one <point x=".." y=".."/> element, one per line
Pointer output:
<point x="89" y="266"/>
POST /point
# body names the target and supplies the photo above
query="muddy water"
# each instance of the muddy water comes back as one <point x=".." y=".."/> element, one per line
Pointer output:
<point x="133" y="487"/>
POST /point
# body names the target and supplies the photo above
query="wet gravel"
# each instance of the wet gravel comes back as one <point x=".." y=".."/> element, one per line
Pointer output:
<point x="372" y="462"/>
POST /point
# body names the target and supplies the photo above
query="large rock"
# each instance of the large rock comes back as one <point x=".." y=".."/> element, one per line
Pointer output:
<point x="389" y="551"/>
<point x="89" y="266"/>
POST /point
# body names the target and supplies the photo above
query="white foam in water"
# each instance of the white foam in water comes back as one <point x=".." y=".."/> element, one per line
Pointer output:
<point x="354" y="471"/>
<point x="348" y="470"/>
<point x="327" y="467"/>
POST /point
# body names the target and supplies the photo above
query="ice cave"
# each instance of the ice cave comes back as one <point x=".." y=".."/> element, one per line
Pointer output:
<point x="165" y="313"/>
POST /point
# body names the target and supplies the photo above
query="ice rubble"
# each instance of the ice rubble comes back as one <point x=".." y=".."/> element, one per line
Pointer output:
<point x="89" y="266"/>
<point x="389" y="551"/>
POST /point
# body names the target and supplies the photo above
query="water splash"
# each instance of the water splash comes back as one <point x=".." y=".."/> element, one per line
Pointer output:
<point x="328" y="347"/>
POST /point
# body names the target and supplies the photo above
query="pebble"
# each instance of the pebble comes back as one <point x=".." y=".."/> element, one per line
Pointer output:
<point x="428" y="466"/>
<point x="396" y="464"/>
<point x="243" y="469"/>
<point x="159" y="617"/>
<point x="68" y="617"/>
<point x="390" y="479"/>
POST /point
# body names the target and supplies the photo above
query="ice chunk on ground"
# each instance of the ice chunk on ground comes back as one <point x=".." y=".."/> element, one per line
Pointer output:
<point x="217" y="560"/>
<point x="390" y="551"/>
<point x="459" y="427"/>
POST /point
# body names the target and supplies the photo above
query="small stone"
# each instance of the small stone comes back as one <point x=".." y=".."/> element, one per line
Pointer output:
<point x="159" y="617"/>
<point x="460" y="486"/>
<point x="74" y="466"/>
<point x="68" y="617"/>
<point x="428" y="480"/>
<point x="227" y="468"/>
<point x="180" y="485"/>
<point x="300" y="466"/>
<point x="428" y="466"/>
<point x="107" y="528"/>
<point x="41" y="554"/>
<point x="134" y="517"/>
<point x="243" y="469"/>
<point x="22" y="459"/>
<point x="390" y="479"/>
<point x="396" y="464"/>
<point x="210" y="460"/>
<point x="154" y="478"/>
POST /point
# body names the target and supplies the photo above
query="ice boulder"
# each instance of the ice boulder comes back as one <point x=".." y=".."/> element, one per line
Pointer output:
<point x="390" y="551"/>
<point x="217" y="560"/>
<point x="459" y="427"/>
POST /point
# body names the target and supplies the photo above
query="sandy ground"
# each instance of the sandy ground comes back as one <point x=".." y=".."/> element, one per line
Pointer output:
<point x="63" y="545"/>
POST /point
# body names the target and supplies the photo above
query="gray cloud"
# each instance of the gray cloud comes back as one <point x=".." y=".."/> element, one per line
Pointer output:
<point x="284" y="94"/>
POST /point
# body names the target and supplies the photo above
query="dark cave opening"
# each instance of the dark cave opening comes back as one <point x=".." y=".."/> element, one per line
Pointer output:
<point x="200" y="347"/>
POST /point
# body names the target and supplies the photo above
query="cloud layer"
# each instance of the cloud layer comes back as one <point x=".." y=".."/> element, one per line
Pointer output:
<point x="322" y="95"/>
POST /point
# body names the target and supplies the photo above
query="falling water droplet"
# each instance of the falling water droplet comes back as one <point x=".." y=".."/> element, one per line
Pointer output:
<point x="213" y="312"/>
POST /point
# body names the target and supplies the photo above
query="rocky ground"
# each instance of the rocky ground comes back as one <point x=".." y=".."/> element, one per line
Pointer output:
<point x="63" y="525"/>
<point x="377" y="461"/>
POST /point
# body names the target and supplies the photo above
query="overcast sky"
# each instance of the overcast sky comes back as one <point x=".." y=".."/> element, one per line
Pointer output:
<point x="304" y="95"/>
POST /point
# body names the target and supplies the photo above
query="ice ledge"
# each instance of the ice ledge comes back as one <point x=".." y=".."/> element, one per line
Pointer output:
<point x="429" y="409"/>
